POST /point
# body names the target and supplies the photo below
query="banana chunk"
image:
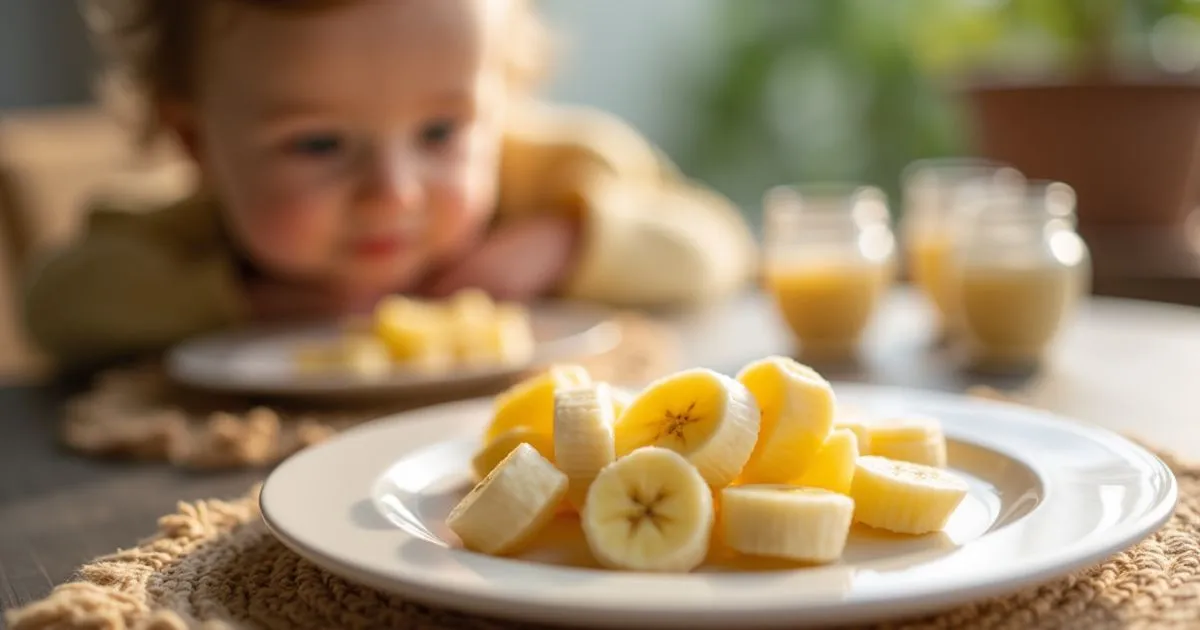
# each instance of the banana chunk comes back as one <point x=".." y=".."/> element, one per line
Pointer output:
<point x="583" y="436"/>
<point x="509" y="338"/>
<point x="862" y="433"/>
<point x="833" y="466"/>
<point x="797" y="407"/>
<point x="358" y="354"/>
<point x="782" y="521"/>
<point x="904" y="497"/>
<point x="709" y="418"/>
<point x="512" y="503"/>
<point x="491" y="454"/>
<point x="649" y="511"/>
<point x="916" y="439"/>
<point x="530" y="403"/>
<point x="414" y="334"/>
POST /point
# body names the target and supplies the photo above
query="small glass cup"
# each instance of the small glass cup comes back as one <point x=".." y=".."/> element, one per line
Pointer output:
<point x="829" y="259"/>
<point x="935" y="190"/>
<point x="1020" y="271"/>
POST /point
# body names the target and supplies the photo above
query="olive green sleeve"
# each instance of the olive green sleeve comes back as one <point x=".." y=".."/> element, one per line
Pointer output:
<point x="125" y="288"/>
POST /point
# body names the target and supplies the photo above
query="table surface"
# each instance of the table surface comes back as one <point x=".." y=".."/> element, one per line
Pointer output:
<point x="1129" y="366"/>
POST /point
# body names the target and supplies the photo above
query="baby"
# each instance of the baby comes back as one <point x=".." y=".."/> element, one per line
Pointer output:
<point x="350" y="149"/>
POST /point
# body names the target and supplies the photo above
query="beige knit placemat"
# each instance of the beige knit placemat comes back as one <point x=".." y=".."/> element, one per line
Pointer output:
<point x="138" y="413"/>
<point x="213" y="564"/>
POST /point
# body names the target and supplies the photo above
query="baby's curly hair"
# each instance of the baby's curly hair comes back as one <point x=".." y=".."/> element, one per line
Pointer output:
<point x="154" y="44"/>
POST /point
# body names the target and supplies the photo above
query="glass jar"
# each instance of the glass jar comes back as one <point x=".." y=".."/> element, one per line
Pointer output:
<point x="1020" y="271"/>
<point x="934" y="191"/>
<point x="829" y="259"/>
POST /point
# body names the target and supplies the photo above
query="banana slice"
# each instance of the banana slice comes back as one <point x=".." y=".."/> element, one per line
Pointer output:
<point x="904" y="497"/>
<point x="358" y="354"/>
<point x="530" y="403"/>
<point x="510" y="505"/>
<point x="916" y="439"/>
<point x="781" y="521"/>
<point x="510" y="335"/>
<point x="649" y="511"/>
<point x="413" y="335"/>
<point x="709" y="418"/>
<point x="797" y="407"/>
<point x="833" y="466"/>
<point x="494" y="452"/>
<point x="861" y="430"/>
<point x="583" y="436"/>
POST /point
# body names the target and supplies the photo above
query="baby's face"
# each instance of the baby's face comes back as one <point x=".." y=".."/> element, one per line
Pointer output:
<point x="358" y="145"/>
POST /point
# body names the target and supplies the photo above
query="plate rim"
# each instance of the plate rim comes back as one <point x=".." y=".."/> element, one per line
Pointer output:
<point x="778" y="613"/>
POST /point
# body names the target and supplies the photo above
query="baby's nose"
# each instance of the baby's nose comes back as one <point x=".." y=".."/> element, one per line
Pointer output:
<point x="393" y="184"/>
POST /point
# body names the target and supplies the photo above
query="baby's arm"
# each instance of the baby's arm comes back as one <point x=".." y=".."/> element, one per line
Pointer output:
<point x="648" y="236"/>
<point x="126" y="287"/>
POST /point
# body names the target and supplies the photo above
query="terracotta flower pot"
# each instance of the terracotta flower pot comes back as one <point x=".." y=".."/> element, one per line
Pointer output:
<point x="1128" y="148"/>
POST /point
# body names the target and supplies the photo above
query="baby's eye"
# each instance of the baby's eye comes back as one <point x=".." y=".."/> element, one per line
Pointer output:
<point x="316" y="145"/>
<point x="438" y="133"/>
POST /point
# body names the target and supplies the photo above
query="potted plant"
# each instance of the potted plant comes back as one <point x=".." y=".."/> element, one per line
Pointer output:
<point x="1093" y="92"/>
<point x="1107" y="102"/>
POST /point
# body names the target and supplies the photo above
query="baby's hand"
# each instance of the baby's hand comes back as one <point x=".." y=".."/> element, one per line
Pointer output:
<point x="516" y="262"/>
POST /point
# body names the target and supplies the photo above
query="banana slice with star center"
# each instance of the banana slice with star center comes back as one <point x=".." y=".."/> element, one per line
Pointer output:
<point x="649" y="511"/>
<point x="510" y="505"/>
<point x="709" y="418"/>
<point x="797" y="406"/>
<point x="530" y="403"/>
<point x="583" y="436"/>
<point x="904" y="497"/>
<point x="782" y="521"/>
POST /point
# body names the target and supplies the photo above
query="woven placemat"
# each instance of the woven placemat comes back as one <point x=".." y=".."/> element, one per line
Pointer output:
<point x="138" y="413"/>
<point x="213" y="564"/>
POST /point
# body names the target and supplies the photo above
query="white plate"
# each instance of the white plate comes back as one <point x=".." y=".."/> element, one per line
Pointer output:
<point x="260" y="360"/>
<point x="1048" y="496"/>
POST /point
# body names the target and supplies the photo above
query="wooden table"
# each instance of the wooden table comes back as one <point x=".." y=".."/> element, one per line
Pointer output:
<point x="1131" y="366"/>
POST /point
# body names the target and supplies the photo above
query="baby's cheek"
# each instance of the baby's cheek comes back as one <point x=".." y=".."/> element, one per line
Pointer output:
<point x="296" y="238"/>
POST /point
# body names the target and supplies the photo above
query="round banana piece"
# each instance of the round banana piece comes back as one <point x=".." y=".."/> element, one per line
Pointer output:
<point x="781" y="521"/>
<point x="583" y="436"/>
<point x="649" y="511"/>
<point x="904" y="497"/>
<point x="512" y="503"/>
<point x="491" y="454"/>
<point x="530" y="403"/>
<point x="797" y="407"/>
<point x="916" y="439"/>
<point x="709" y="418"/>
<point x="833" y="466"/>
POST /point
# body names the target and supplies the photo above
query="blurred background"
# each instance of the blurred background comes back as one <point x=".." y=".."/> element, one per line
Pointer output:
<point x="746" y="94"/>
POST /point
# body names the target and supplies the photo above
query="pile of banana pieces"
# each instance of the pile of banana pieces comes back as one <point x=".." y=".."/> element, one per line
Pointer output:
<point x="468" y="329"/>
<point x="762" y="463"/>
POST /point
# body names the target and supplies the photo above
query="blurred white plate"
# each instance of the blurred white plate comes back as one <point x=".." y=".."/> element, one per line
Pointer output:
<point x="262" y="360"/>
<point x="1048" y="496"/>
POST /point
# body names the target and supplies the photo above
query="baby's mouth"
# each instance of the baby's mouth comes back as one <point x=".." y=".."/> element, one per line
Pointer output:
<point x="386" y="244"/>
<point x="381" y="246"/>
